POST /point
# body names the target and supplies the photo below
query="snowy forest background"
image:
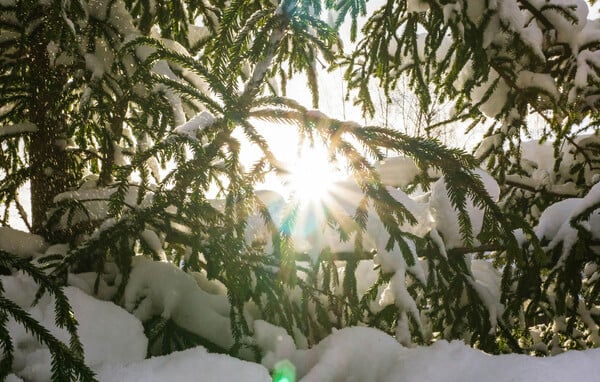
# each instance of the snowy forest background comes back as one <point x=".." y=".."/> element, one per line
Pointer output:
<point x="141" y="142"/>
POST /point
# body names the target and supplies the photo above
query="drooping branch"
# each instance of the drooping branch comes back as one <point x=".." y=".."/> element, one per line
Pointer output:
<point x="22" y="213"/>
<point x="369" y="255"/>
<point x="558" y="190"/>
<point x="537" y="13"/>
<point x="253" y="85"/>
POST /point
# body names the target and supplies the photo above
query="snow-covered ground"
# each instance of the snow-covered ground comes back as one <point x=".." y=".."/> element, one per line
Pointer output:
<point x="365" y="354"/>
<point x="115" y="348"/>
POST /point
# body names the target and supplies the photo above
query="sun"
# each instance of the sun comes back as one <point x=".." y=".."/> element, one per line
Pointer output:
<point x="312" y="175"/>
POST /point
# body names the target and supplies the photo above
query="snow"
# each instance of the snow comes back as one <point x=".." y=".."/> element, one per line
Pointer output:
<point x="278" y="344"/>
<point x="487" y="283"/>
<point x="452" y="361"/>
<point x="558" y="223"/>
<point x="488" y="144"/>
<point x="554" y="217"/>
<point x="18" y="128"/>
<point x="416" y="6"/>
<point x="152" y="240"/>
<point x="476" y="9"/>
<point x="197" y="34"/>
<point x="518" y="21"/>
<point x="109" y="334"/>
<point x="542" y="81"/>
<point x="115" y="345"/>
<point x="538" y="25"/>
<point x="446" y="216"/>
<point x="194" y="364"/>
<point x="21" y="243"/>
<point x="113" y="338"/>
<point x="96" y="202"/>
<point x="311" y="233"/>
<point x="538" y="163"/>
<point x="100" y="61"/>
<point x="338" y="357"/>
<point x="366" y="354"/>
<point x="493" y="105"/>
<point x="195" y="125"/>
<point x="182" y="301"/>
<point x="397" y="171"/>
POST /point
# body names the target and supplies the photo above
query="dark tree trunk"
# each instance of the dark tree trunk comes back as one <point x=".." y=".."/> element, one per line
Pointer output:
<point x="49" y="162"/>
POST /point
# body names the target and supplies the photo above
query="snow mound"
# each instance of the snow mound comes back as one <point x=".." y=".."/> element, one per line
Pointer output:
<point x="159" y="288"/>
<point x="109" y="334"/>
<point x="456" y="362"/>
<point x="194" y="364"/>
<point x="367" y="354"/>
<point x="354" y="353"/>
<point x="22" y="244"/>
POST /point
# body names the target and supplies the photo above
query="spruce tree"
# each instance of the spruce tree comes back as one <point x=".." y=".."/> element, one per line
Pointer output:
<point x="502" y="65"/>
<point x="122" y="116"/>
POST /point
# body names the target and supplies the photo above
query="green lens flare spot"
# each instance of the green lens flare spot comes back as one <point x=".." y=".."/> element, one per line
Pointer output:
<point x="284" y="371"/>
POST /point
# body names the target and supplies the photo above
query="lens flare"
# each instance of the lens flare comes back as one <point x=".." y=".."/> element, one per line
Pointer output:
<point x="284" y="371"/>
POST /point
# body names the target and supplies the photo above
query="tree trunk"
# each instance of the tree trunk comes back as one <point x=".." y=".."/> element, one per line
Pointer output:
<point x="49" y="162"/>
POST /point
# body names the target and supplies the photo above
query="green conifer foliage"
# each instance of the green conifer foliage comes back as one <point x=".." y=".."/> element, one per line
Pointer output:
<point x="124" y="116"/>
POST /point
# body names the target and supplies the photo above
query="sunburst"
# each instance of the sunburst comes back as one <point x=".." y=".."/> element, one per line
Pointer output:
<point x="313" y="175"/>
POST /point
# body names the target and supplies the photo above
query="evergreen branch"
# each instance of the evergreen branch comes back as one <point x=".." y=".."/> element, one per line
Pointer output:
<point x="65" y="363"/>
<point x="552" y="190"/>
<point x="22" y="213"/>
<point x="252" y="87"/>
<point x="6" y="345"/>
<point x="244" y="35"/>
<point x="537" y="13"/>
<point x="193" y="92"/>
<point x="64" y="318"/>
<point x="261" y="142"/>
<point x="72" y="357"/>
<point x="163" y="53"/>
